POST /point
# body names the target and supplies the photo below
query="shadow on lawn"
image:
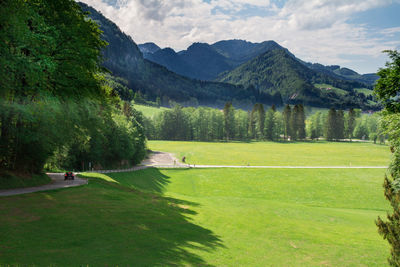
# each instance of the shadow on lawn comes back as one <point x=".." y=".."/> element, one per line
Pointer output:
<point x="148" y="229"/>
<point x="147" y="180"/>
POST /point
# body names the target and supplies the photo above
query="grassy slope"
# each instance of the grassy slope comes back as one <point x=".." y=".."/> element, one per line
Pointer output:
<point x="221" y="217"/>
<point x="149" y="111"/>
<point x="365" y="91"/>
<point x="324" y="86"/>
<point x="277" y="154"/>
<point x="9" y="181"/>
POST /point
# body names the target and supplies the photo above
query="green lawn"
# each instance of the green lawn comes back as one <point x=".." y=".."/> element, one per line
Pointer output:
<point x="207" y="217"/>
<point x="149" y="111"/>
<point x="277" y="154"/>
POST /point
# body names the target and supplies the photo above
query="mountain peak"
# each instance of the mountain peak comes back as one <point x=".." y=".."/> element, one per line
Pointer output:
<point x="149" y="48"/>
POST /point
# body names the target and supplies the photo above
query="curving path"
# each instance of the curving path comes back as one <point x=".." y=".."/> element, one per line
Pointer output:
<point x="156" y="159"/>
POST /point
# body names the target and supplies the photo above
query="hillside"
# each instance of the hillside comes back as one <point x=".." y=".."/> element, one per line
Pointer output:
<point x="277" y="70"/>
<point x="344" y="73"/>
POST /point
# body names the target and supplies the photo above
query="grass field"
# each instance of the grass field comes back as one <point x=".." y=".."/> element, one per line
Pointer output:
<point x="149" y="111"/>
<point x="208" y="217"/>
<point x="324" y="86"/>
<point x="277" y="154"/>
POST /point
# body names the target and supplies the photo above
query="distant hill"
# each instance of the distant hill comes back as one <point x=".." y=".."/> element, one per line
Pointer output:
<point x="279" y="71"/>
<point x="344" y="73"/>
<point x="124" y="59"/>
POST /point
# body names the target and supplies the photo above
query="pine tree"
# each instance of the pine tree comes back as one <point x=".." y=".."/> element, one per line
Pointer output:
<point x="301" y="124"/>
<point x="339" y="131"/>
<point x="270" y="125"/>
<point x="294" y="125"/>
<point x="260" y="122"/>
<point x="287" y="114"/>
<point x="351" y="123"/>
<point x="229" y="121"/>
<point x="331" y="125"/>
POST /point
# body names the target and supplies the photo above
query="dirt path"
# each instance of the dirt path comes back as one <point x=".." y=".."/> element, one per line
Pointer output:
<point x="158" y="158"/>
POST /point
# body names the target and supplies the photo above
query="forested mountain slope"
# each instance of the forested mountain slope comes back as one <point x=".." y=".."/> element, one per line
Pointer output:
<point x="277" y="70"/>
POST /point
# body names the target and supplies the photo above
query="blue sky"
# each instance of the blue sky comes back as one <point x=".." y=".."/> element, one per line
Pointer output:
<point x="350" y="33"/>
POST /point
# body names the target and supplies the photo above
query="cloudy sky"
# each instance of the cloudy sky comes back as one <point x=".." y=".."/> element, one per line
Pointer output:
<point x="350" y="33"/>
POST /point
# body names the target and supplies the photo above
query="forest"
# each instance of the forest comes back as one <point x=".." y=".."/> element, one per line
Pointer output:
<point x="56" y="107"/>
<point x="208" y="124"/>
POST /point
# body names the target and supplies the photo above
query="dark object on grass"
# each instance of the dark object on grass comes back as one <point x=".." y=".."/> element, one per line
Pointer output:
<point x="183" y="159"/>
<point x="69" y="176"/>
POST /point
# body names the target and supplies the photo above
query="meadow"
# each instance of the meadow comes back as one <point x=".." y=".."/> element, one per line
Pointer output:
<point x="211" y="217"/>
<point x="277" y="153"/>
<point x="149" y="111"/>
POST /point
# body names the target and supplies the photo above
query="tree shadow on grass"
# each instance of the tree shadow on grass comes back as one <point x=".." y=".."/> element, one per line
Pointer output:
<point x="147" y="180"/>
<point x="114" y="223"/>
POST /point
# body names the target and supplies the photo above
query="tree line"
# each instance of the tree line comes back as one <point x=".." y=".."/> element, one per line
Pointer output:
<point x="56" y="108"/>
<point x="208" y="124"/>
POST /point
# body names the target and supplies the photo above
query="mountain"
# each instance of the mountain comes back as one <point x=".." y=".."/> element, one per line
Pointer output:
<point x="268" y="77"/>
<point x="279" y="71"/>
<point x="168" y="58"/>
<point x="123" y="58"/>
<point x="148" y="48"/>
<point x="240" y="51"/>
<point x="205" y="62"/>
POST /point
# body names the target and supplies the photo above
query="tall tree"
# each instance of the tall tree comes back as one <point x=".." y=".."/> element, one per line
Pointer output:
<point x="387" y="88"/>
<point x="229" y="121"/>
<point x="301" y="124"/>
<point x="287" y="114"/>
<point x="351" y="123"/>
<point x="294" y="125"/>
<point x="270" y="125"/>
<point x="331" y="125"/>
<point x="339" y="131"/>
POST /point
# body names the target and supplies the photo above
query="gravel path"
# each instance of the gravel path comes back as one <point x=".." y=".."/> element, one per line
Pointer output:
<point x="160" y="160"/>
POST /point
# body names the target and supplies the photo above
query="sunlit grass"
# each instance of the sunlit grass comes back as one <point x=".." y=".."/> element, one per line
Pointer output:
<point x="277" y="154"/>
<point x="217" y="217"/>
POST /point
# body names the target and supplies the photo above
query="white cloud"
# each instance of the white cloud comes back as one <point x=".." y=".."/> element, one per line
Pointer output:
<point x="314" y="30"/>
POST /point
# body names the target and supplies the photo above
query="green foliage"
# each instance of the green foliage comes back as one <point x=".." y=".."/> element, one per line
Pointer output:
<point x="54" y="101"/>
<point x="387" y="89"/>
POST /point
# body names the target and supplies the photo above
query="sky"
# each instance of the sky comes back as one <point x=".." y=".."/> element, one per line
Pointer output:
<point x="349" y="33"/>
